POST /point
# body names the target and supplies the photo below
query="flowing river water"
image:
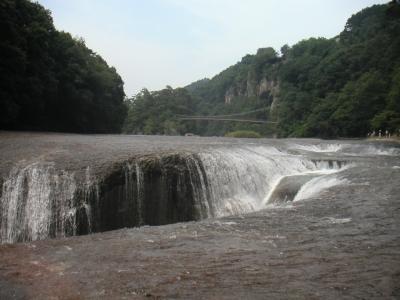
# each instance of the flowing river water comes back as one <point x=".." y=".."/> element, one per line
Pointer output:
<point x="277" y="218"/>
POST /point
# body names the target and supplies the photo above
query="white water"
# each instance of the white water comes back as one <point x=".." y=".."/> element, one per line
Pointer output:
<point x="320" y="148"/>
<point x="371" y="150"/>
<point x="323" y="171"/>
<point x="315" y="186"/>
<point x="199" y="189"/>
<point x="34" y="198"/>
<point x="133" y="191"/>
<point x="349" y="149"/>
<point x="240" y="180"/>
<point x="140" y="191"/>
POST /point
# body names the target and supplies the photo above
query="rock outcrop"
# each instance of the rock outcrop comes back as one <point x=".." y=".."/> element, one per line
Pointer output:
<point x="267" y="89"/>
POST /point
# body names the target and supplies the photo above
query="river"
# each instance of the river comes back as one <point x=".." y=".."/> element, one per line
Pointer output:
<point x="249" y="218"/>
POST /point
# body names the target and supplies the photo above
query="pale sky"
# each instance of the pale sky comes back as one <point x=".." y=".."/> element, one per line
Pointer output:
<point x="154" y="43"/>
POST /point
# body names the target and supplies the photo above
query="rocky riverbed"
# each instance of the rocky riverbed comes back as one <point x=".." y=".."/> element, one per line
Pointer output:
<point x="338" y="239"/>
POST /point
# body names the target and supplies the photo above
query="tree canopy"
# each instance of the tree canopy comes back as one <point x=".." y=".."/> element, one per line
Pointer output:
<point x="155" y="112"/>
<point x="348" y="85"/>
<point x="50" y="80"/>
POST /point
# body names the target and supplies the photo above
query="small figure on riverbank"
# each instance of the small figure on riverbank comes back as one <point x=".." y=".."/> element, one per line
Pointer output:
<point x="380" y="133"/>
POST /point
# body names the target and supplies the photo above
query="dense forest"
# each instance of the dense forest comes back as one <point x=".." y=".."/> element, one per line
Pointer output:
<point x="50" y="80"/>
<point x="346" y="86"/>
<point x="155" y="112"/>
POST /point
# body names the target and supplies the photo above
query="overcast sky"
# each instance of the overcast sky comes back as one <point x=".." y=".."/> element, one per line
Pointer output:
<point x="154" y="43"/>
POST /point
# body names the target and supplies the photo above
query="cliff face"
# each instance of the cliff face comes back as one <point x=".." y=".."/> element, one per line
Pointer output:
<point x="251" y="84"/>
<point x="265" y="89"/>
<point x="254" y="76"/>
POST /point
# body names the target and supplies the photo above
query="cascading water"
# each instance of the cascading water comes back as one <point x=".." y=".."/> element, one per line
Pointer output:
<point x="139" y="189"/>
<point x="317" y="185"/>
<point x="199" y="188"/>
<point x="38" y="201"/>
<point x="242" y="180"/>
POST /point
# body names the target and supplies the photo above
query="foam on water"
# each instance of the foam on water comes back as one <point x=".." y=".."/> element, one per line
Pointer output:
<point x="349" y="149"/>
<point x="330" y="220"/>
<point x="320" y="148"/>
<point x="371" y="150"/>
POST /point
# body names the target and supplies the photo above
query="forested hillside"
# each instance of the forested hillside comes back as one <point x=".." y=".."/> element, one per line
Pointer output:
<point x="50" y="80"/>
<point x="344" y="86"/>
<point x="340" y="87"/>
<point x="155" y="112"/>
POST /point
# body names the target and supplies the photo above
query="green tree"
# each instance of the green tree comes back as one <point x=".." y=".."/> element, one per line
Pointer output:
<point x="51" y="81"/>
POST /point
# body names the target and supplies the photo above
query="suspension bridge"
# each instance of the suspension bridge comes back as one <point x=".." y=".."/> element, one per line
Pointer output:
<point x="230" y="117"/>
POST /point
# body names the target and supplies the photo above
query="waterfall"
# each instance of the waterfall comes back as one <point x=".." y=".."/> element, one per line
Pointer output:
<point x="198" y="183"/>
<point x="39" y="201"/>
<point x="316" y="185"/>
<point x="241" y="180"/>
<point x="140" y="191"/>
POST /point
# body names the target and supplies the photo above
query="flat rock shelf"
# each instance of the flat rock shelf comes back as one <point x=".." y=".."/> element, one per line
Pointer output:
<point x="236" y="218"/>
